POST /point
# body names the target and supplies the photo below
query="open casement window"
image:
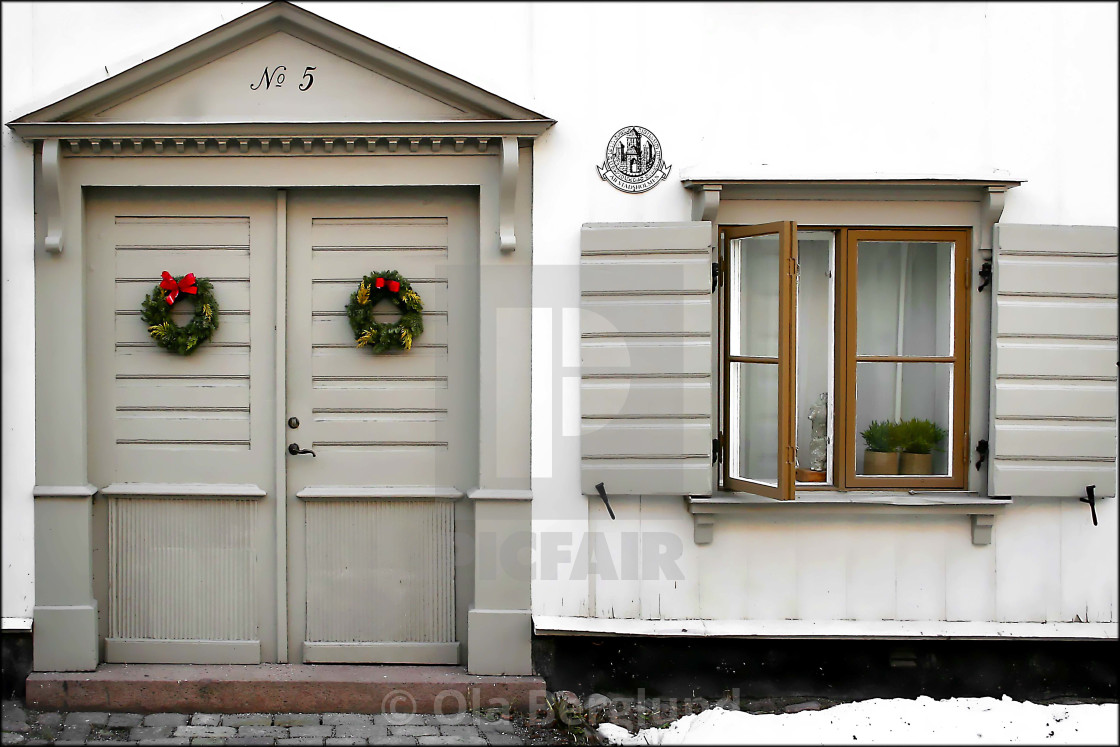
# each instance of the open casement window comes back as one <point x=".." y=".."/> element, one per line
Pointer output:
<point x="759" y="358"/>
<point x="828" y="329"/>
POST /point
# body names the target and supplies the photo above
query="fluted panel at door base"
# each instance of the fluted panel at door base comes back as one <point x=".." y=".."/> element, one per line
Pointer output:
<point x="380" y="572"/>
<point x="182" y="571"/>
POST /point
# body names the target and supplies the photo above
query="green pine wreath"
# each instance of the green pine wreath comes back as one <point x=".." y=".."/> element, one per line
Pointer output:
<point x="380" y="336"/>
<point x="156" y="313"/>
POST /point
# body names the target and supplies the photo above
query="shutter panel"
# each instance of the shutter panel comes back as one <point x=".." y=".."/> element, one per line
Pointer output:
<point x="646" y="358"/>
<point x="1054" y="358"/>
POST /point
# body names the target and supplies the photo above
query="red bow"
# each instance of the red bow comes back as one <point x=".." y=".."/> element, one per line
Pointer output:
<point x="394" y="285"/>
<point x="186" y="285"/>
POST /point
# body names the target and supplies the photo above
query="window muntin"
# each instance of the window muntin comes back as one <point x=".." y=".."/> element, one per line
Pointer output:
<point x="880" y="333"/>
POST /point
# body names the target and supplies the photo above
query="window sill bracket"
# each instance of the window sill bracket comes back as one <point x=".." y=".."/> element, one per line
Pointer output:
<point x="980" y="510"/>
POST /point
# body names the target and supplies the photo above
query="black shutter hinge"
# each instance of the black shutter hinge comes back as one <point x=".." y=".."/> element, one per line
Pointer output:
<point x="717" y="449"/>
<point x="982" y="450"/>
<point x="715" y="275"/>
<point x="985" y="276"/>
<point x="1091" y="499"/>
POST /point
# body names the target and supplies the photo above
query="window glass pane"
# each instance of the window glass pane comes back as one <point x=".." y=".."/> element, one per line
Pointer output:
<point x="753" y="446"/>
<point x="894" y="392"/>
<point x="904" y="303"/>
<point x="814" y="355"/>
<point x="753" y="274"/>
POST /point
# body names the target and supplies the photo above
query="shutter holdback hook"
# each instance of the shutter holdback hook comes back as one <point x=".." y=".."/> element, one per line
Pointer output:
<point x="985" y="276"/>
<point x="1091" y="499"/>
<point x="603" y="495"/>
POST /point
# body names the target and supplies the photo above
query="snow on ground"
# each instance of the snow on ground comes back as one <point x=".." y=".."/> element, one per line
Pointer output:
<point x="892" y="721"/>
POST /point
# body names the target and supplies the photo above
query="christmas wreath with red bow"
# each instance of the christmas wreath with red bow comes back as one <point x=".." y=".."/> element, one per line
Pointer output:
<point x="380" y="336"/>
<point x="157" y="306"/>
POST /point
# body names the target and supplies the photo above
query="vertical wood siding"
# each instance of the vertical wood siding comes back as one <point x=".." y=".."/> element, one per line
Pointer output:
<point x="1047" y="563"/>
<point x="380" y="571"/>
<point x="170" y="400"/>
<point x="182" y="569"/>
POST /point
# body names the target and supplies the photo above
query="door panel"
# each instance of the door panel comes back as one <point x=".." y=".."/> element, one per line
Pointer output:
<point x="185" y="575"/>
<point x="373" y="573"/>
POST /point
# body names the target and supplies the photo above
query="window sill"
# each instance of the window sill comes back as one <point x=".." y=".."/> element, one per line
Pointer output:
<point x="981" y="510"/>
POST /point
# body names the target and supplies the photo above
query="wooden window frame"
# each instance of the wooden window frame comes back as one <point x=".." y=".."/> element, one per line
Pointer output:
<point x="845" y="439"/>
<point x="957" y="478"/>
<point x="786" y="359"/>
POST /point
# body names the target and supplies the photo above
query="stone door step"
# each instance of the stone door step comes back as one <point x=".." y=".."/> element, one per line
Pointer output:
<point x="280" y="688"/>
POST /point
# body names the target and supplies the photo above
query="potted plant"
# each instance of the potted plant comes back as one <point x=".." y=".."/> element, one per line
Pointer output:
<point x="881" y="456"/>
<point x="916" y="440"/>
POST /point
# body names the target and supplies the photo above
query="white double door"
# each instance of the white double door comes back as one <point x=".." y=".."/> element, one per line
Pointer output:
<point x="355" y="561"/>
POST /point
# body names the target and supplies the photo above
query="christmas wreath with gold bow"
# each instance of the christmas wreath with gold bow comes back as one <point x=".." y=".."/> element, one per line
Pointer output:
<point x="157" y="306"/>
<point x="380" y="336"/>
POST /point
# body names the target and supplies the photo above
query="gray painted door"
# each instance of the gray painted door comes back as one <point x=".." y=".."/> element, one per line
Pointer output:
<point x="371" y="514"/>
<point x="191" y="452"/>
<point x="183" y="447"/>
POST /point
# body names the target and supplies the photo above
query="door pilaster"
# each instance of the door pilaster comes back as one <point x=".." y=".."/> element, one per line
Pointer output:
<point x="65" y="612"/>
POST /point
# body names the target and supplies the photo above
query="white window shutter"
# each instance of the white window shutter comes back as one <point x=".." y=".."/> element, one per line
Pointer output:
<point x="646" y="358"/>
<point x="1054" y="361"/>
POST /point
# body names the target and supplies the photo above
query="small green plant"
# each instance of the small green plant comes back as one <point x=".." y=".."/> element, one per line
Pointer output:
<point x="916" y="436"/>
<point x="880" y="436"/>
<point x="574" y="718"/>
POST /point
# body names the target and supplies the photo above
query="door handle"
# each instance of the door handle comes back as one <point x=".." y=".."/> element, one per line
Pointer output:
<point x="294" y="449"/>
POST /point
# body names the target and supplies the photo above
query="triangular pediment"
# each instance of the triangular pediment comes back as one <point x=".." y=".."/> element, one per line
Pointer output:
<point x="278" y="77"/>
<point x="279" y="64"/>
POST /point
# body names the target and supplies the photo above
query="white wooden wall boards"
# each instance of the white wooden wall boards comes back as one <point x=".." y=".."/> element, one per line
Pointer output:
<point x="208" y="541"/>
<point x="1054" y="358"/>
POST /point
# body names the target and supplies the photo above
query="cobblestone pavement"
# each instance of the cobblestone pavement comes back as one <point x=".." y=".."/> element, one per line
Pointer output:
<point x="29" y="727"/>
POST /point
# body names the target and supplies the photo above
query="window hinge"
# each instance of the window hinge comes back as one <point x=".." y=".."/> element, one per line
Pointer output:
<point x="792" y="267"/>
<point x="716" y="271"/>
<point x="717" y="449"/>
<point x="790" y="455"/>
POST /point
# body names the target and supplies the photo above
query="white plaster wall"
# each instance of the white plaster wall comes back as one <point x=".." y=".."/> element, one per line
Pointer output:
<point x="792" y="89"/>
<point x="18" y="350"/>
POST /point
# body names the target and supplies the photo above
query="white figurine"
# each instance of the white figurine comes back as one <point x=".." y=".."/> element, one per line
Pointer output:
<point x="818" y="440"/>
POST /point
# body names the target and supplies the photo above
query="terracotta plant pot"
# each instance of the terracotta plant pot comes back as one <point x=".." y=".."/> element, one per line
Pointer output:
<point x="809" y="475"/>
<point x="915" y="464"/>
<point x="880" y="462"/>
